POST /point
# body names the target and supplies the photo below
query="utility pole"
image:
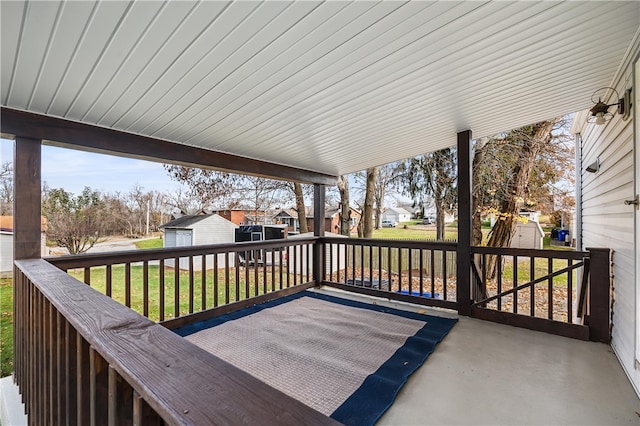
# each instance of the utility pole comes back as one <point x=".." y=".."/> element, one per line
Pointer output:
<point x="148" y="206"/>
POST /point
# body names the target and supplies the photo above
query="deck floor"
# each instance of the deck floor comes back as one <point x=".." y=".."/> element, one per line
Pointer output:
<point x="484" y="373"/>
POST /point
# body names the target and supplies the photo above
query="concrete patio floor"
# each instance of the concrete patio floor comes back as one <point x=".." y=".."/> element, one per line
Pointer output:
<point x="484" y="373"/>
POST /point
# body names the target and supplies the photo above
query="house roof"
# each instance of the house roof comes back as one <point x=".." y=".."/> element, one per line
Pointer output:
<point x="398" y="210"/>
<point x="186" y="221"/>
<point x="330" y="87"/>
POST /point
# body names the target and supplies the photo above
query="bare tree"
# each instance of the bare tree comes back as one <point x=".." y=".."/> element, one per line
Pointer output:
<point x="6" y="188"/>
<point x="367" y="214"/>
<point x="298" y="192"/>
<point x="225" y="190"/>
<point x="345" y="205"/>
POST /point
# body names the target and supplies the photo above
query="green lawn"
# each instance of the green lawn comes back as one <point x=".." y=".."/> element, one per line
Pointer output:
<point x="238" y="289"/>
<point x="149" y="244"/>
<point x="6" y="326"/>
<point x="412" y="233"/>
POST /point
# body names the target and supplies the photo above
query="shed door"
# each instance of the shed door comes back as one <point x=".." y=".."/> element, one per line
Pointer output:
<point x="183" y="237"/>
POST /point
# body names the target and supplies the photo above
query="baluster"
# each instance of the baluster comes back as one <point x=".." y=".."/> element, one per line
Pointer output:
<point x="145" y="288"/>
<point x="550" y="295"/>
<point x="532" y="273"/>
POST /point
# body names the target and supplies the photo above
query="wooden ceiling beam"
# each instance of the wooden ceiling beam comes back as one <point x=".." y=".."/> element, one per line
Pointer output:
<point x="87" y="137"/>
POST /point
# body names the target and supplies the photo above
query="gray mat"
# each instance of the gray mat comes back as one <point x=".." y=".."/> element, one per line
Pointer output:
<point x="315" y="351"/>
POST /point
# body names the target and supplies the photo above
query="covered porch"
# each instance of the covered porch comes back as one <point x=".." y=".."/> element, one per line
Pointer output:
<point x="304" y="91"/>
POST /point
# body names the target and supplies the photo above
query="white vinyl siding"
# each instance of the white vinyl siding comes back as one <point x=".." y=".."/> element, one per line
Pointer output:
<point x="6" y="252"/>
<point x="209" y="230"/>
<point x="607" y="221"/>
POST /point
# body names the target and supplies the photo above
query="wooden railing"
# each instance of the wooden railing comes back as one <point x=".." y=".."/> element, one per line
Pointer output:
<point x="83" y="358"/>
<point x="165" y="284"/>
<point x="422" y="272"/>
<point x="547" y="290"/>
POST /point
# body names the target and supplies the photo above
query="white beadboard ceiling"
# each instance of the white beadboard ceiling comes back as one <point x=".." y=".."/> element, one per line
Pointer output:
<point x="334" y="87"/>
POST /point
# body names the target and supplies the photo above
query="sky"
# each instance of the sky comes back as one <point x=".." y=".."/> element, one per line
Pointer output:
<point x="72" y="170"/>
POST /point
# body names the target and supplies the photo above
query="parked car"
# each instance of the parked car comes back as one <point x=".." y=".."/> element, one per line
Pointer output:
<point x="428" y="220"/>
<point x="389" y="224"/>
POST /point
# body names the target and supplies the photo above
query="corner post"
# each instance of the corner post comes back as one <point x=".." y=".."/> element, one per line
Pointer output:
<point x="599" y="295"/>
<point x="318" y="231"/>
<point x="463" y="251"/>
<point x="27" y="189"/>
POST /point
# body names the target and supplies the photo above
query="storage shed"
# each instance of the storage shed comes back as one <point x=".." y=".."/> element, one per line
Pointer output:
<point x="205" y="229"/>
<point x="528" y="235"/>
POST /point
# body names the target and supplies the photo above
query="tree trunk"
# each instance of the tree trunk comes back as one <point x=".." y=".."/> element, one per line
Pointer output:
<point x="438" y="195"/>
<point x="302" y="214"/>
<point x="367" y="216"/>
<point x="345" y="210"/>
<point x="476" y="217"/>
<point x="504" y="229"/>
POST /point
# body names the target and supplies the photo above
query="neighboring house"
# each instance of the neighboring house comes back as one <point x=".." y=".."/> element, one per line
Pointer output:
<point x="411" y="208"/>
<point x="607" y="213"/>
<point x="204" y="229"/>
<point x="6" y="243"/>
<point x="528" y="235"/>
<point x="448" y="217"/>
<point x="396" y="214"/>
<point x="288" y="217"/>
<point x="240" y="216"/>
<point x="332" y="220"/>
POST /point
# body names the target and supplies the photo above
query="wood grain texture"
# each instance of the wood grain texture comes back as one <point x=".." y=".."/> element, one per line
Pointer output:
<point x="181" y="382"/>
<point x="71" y="134"/>
<point x="27" y="235"/>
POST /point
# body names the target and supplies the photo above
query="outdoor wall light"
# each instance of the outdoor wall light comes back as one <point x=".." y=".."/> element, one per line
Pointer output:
<point x="593" y="167"/>
<point x="600" y="112"/>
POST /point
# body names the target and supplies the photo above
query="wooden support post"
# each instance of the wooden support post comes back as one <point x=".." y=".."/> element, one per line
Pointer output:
<point x="318" y="231"/>
<point x="463" y="254"/>
<point x="599" y="295"/>
<point x="27" y="189"/>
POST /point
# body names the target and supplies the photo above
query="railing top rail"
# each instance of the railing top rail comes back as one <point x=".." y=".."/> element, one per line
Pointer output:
<point x="549" y="254"/>
<point x="376" y="242"/>
<point x="183" y="383"/>
<point x="129" y="256"/>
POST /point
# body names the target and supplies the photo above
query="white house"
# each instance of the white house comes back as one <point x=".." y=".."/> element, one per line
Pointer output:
<point x="607" y="214"/>
<point x="396" y="214"/>
<point x="197" y="230"/>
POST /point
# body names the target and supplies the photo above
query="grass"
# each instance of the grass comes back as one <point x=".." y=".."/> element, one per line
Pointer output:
<point x="149" y="244"/>
<point x="6" y="326"/>
<point x="401" y="233"/>
<point x="239" y="287"/>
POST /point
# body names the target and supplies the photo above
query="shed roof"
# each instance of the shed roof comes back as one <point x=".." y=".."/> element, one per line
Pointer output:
<point x="186" y="221"/>
<point x="331" y="87"/>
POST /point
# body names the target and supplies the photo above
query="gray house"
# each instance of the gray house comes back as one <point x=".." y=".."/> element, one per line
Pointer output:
<point x="204" y="229"/>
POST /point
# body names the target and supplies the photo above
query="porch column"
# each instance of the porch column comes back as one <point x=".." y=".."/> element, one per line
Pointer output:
<point x="318" y="231"/>
<point x="463" y="253"/>
<point x="599" y="295"/>
<point x="27" y="198"/>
